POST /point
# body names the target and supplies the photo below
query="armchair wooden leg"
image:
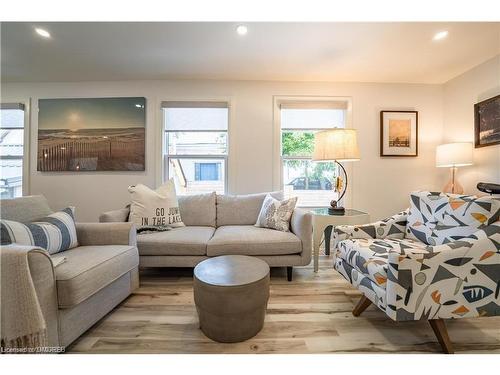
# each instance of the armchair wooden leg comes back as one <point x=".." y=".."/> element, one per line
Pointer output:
<point x="441" y="333"/>
<point x="361" y="306"/>
<point x="289" y="273"/>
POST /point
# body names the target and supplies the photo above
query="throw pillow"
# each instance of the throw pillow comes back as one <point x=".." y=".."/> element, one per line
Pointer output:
<point x="276" y="214"/>
<point x="439" y="218"/>
<point x="155" y="207"/>
<point x="54" y="233"/>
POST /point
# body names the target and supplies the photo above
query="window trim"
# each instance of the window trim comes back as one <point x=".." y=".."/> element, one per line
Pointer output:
<point x="304" y="100"/>
<point x="162" y="175"/>
<point x="25" y="106"/>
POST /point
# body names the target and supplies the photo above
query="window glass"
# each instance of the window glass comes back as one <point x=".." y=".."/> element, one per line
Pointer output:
<point x="312" y="182"/>
<point x="196" y="148"/>
<point x="11" y="152"/>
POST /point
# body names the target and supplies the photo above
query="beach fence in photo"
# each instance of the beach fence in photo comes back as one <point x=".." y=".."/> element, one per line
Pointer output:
<point x="58" y="155"/>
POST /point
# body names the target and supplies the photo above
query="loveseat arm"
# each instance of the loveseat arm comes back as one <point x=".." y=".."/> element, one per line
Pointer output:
<point x="391" y="227"/>
<point x="96" y="234"/>
<point x="115" y="216"/>
<point x="460" y="279"/>
<point x="301" y="226"/>
<point x="42" y="275"/>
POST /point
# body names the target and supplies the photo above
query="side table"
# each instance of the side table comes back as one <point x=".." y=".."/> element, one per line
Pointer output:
<point x="324" y="221"/>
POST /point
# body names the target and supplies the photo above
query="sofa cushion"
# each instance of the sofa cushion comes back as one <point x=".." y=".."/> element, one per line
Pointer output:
<point x="198" y="209"/>
<point x="251" y="240"/>
<point x="88" y="269"/>
<point x="439" y="218"/>
<point x="177" y="241"/>
<point x="241" y="209"/>
<point x="25" y="209"/>
<point x="369" y="256"/>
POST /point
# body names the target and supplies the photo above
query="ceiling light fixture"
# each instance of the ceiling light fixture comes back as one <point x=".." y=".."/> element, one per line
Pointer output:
<point x="440" y="35"/>
<point x="242" y="30"/>
<point x="42" y="32"/>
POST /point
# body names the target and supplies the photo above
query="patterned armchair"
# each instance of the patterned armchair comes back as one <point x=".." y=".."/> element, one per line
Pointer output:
<point x="438" y="260"/>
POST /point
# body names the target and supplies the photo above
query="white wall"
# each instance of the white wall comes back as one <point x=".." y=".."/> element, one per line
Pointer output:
<point x="460" y="95"/>
<point x="379" y="185"/>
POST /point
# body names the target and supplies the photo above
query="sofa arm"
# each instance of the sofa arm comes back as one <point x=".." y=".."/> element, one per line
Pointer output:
<point x="301" y="226"/>
<point x="114" y="216"/>
<point x="392" y="227"/>
<point x="460" y="279"/>
<point x="44" y="282"/>
<point x="92" y="234"/>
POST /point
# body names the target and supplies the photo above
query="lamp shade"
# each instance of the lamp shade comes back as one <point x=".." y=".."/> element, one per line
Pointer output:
<point x="336" y="144"/>
<point x="454" y="154"/>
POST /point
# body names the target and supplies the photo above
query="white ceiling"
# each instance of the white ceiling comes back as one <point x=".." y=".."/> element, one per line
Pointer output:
<point x="358" y="52"/>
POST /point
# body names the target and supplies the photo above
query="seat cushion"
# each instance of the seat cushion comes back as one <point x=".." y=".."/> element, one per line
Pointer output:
<point x="190" y="240"/>
<point x="369" y="256"/>
<point x="88" y="269"/>
<point x="439" y="218"/>
<point x="251" y="240"/>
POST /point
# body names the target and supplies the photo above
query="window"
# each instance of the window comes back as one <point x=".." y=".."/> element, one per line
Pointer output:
<point x="310" y="181"/>
<point x="11" y="150"/>
<point x="207" y="171"/>
<point x="196" y="145"/>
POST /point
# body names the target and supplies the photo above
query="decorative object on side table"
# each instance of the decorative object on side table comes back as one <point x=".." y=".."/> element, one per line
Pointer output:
<point x="454" y="155"/>
<point x="336" y="145"/>
<point x="91" y="134"/>
<point x="323" y="221"/>
<point x="398" y="133"/>
<point x="487" y="122"/>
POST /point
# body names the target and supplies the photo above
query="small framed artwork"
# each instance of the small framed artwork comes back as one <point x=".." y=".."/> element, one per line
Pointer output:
<point x="487" y="122"/>
<point x="399" y="133"/>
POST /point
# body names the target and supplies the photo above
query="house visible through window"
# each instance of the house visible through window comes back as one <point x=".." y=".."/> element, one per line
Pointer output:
<point x="196" y="145"/>
<point x="310" y="181"/>
<point x="11" y="150"/>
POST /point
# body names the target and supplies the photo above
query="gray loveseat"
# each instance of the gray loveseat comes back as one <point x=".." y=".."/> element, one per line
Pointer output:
<point x="221" y="225"/>
<point x="96" y="276"/>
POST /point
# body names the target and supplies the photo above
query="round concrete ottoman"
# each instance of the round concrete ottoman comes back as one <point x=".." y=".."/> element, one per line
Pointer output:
<point x="231" y="294"/>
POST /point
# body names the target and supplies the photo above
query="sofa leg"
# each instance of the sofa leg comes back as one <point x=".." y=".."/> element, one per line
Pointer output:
<point x="441" y="333"/>
<point x="361" y="306"/>
<point x="289" y="273"/>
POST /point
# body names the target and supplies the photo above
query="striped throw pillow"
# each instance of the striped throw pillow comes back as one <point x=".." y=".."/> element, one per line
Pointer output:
<point x="54" y="233"/>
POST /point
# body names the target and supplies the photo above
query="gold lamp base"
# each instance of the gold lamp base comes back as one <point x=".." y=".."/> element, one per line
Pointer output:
<point x="453" y="186"/>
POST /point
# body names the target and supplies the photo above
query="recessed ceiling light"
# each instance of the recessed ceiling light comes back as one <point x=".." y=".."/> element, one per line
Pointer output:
<point x="42" y="32"/>
<point x="440" y="35"/>
<point x="242" y="30"/>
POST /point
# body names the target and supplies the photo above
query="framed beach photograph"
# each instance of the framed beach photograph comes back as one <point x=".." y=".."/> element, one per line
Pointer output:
<point x="399" y="133"/>
<point x="91" y="134"/>
<point x="487" y="122"/>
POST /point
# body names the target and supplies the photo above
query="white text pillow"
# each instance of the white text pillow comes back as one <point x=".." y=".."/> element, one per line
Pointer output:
<point x="154" y="207"/>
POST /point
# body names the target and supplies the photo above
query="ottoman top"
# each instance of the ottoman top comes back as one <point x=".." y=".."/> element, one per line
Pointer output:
<point x="231" y="270"/>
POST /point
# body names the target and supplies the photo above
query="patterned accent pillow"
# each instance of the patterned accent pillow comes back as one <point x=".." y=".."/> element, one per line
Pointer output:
<point x="275" y="214"/>
<point x="439" y="218"/>
<point x="54" y="233"/>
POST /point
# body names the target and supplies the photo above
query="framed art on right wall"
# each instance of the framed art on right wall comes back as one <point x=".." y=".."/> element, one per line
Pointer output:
<point x="487" y="122"/>
<point x="399" y="133"/>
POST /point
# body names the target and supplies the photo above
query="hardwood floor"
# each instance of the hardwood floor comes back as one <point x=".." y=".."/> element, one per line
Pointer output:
<point x="311" y="314"/>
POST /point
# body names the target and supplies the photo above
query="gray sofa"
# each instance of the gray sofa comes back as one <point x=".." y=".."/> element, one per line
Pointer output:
<point x="222" y="225"/>
<point x="96" y="276"/>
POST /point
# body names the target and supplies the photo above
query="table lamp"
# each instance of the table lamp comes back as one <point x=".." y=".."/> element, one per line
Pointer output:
<point x="336" y="145"/>
<point x="454" y="155"/>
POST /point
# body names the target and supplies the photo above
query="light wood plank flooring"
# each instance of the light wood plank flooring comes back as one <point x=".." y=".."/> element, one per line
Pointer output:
<point x="312" y="314"/>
